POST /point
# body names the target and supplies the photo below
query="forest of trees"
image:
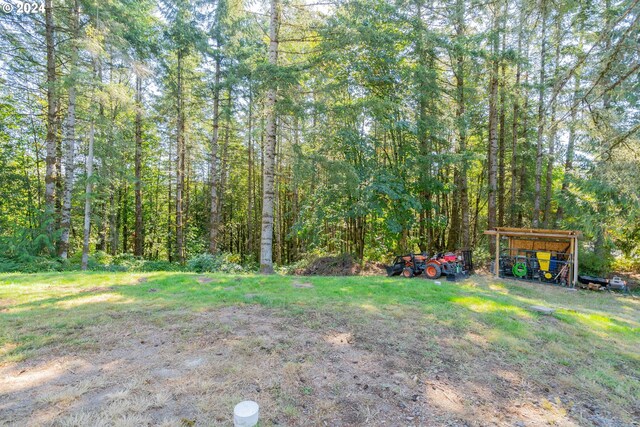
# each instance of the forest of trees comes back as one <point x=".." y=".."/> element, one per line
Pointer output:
<point x="278" y="130"/>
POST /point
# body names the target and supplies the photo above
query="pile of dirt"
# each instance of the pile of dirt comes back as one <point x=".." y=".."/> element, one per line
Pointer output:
<point x="372" y="268"/>
<point x="340" y="265"/>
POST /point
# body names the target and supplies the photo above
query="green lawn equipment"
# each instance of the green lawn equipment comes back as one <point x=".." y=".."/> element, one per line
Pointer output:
<point x="542" y="266"/>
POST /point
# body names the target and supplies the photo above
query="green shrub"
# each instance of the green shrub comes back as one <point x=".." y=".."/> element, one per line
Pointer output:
<point x="96" y="261"/>
<point x="594" y="265"/>
<point x="127" y="261"/>
<point x="207" y="263"/>
<point x="159" y="266"/>
<point x="481" y="256"/>
<point x="299" y="265"/>
<point x="100" y="257"/>
<point x="101" y="261"/>
<point x="8" y="265"/>
<point x="627" y="264"/>
<point x="31" y="264"/>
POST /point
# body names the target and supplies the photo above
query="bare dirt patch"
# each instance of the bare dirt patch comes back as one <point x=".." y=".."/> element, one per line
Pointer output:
<point x="301" y="285"/>
<point x="320" y="368"/>
<point x="204" y="279"/>
<point x="6" y="304"/>
<point x="97" y="289"/>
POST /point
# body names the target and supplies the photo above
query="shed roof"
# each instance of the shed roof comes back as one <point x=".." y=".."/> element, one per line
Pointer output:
<point x="535" y="233"/>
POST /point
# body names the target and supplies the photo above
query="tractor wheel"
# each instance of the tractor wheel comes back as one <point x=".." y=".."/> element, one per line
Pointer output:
<point x="447" y="268"/>
<point x="432" y="271"/>
<point x="407" y="272"/>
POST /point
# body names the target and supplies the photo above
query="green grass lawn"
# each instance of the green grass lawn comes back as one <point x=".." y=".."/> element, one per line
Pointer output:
<point x="466" y="350"/>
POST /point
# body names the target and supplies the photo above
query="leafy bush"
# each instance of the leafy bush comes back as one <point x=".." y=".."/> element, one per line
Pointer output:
<point x="31" y="264"/>
<point x="481" y="256"/>
<point x="127" y="262"/>
<point x="159" y="266"/>
<point x="100" y="257"/>
<point x="202" y="262"/>
<point x="627" y="264"/>
<point x="123" y="259"/>
<point x="102" y="261"/>
<point x="299" y="265"/>
<point x="8" y="265"/>
<point x="594" y="265"/>
<point x="207" y="263"/>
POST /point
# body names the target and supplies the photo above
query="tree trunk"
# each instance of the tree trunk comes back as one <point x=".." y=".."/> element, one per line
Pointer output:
<point x="502" y="133"/>
<point x="295" y="203"/>
<point x="552" y="137"/>
<point x="139" y="231"/>
<point x="541" y="118"/>
<point x="187" y="185"/>
<point x="101" y="244"/>
<point x="249" y="244"/>
<point x="125" y="218"/>
<point x="52" y="106"/>
<point x="170" y="206"/>
<point x="224" y="158"/>
<point x="180" y="156"/>
<point x="426" y="84"/>
<point x="213" y="166"/>
<point x="514" y="125"/>
<point x="113" y="224"/>
<point x="277" y="218"/>
<point x="59" y="179"/>
<point x="70" y="139"/>
<point x="454" y="213"/>
<point x="523" y="175"/>
<point x="462" y="122"/>
<point x="266" y="238"/>
<point x="476" y="215"/>
<point x="87" y="200"/>
<point x="493" y="129"/>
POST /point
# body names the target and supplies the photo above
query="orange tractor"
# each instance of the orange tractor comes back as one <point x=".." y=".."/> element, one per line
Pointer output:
<point x="452" y="265"/>
<point x="408" y="265"/>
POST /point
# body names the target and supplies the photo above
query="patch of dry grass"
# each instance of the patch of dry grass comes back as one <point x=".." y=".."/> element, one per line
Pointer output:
<point x="348" y="351"/>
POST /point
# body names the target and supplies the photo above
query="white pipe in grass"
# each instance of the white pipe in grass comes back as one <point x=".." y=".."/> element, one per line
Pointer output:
<point x="245" y="414"/>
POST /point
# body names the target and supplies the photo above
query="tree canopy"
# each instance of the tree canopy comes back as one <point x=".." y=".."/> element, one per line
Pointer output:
<point x="293" y="127"/>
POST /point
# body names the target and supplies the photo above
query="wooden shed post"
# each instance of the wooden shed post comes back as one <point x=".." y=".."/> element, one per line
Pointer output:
<point x="575" y="261"/>
<point x="497" y="262"/>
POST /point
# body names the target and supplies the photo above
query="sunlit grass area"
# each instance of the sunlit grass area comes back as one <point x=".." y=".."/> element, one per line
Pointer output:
<point x="589" y="349"/>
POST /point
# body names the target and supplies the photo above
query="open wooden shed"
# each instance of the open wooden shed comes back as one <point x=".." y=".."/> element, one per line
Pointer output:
<point x="536" y="239"/>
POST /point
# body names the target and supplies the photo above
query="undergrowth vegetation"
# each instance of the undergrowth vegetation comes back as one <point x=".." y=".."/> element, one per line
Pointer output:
<point x="101" y="261"/>
<point x="233" y="263"/>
